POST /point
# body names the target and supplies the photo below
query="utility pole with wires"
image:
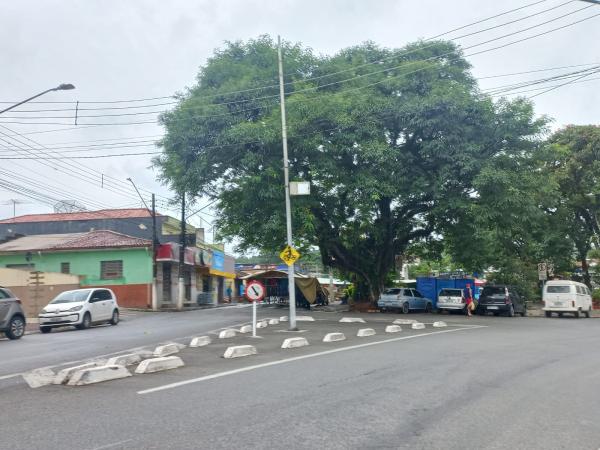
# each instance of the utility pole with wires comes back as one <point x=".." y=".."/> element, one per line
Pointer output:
<point x="286" y="174"/>
<point x="155" y="242"/>
<point x="180" y="282"/>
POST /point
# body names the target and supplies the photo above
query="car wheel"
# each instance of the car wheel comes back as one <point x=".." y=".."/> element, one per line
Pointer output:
<point x="576" y="314"/>
<point x="405" y="308"/>
<point x="560" y="314"/>
<point x="511" y="311"/>
<point x="45" y="329"/>
<point x="587" y="313"/>
<point x="548" y="313"/>
<point x="524" y="313"/>
<point x="115" y="318"/>
<point x="428" y="308"/>
<point x="86" y="322"/>
<point x="16" y="328"/>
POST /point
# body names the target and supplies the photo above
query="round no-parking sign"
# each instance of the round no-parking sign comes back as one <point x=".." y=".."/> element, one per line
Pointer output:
<point x="255" y="291"/>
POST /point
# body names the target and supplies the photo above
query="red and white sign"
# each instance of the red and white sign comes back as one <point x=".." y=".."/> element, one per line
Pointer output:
<point x="255" y="291"/>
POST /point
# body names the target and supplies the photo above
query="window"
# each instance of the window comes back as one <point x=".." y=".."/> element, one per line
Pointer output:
<point x="579" y="290"/>
<point x="65" y="267"/>
<point x="3" y="294"/>
<point x="417" y="294"/>
<point x="21" y="266"/>
<point x="100" y="295"/>
<point x="557" y="289"/>
<point x="110" y="270"/>
<point x="392" y="291"/>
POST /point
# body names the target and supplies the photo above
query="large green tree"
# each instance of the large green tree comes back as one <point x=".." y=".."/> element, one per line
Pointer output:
<point x="390" y="139"/>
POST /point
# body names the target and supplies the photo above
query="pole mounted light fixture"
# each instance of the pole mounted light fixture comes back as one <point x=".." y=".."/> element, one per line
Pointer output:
<point x="60" y="87"/>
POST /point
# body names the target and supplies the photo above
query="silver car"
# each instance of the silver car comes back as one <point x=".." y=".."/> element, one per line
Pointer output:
<point x="405" y="300"/>
<point x="12" y="317"/>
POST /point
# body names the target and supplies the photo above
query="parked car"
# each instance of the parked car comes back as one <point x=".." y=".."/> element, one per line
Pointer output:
<point x="403" y="299"/>
<point x="562" y="296"/>
<point x="12" y="317"/>
<point x="501" y="298"/>
<point x="80" y="308"/>
<point x="450" y="299"/>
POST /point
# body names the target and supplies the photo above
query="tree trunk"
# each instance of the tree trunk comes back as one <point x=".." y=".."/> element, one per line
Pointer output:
<point x="585" y="270"/>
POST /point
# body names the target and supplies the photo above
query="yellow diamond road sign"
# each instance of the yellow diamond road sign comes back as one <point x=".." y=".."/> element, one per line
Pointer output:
<point x="289" y="255"/>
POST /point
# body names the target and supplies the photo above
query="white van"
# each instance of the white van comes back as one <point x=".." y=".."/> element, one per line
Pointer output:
<point x="564" y="296"/>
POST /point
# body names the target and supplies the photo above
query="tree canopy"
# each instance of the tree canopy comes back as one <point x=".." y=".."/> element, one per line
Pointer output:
<point x="398" y="145"/>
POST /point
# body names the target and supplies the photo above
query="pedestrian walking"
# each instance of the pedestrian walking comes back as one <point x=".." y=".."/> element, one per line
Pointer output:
<point x="468" y="294"/>
<point x="229" y="291"/>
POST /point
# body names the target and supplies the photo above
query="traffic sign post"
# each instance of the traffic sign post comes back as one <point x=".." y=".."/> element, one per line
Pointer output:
<point x="255" y="292"/>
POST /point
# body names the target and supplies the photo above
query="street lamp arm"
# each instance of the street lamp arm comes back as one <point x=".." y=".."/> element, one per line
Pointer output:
<point x="61" y="87"/>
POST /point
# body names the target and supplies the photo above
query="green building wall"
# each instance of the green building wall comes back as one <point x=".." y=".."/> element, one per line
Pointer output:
<point x="137" y="264"/>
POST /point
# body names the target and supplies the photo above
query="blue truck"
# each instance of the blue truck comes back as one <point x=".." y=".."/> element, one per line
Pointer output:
<point x="430" y="287"/>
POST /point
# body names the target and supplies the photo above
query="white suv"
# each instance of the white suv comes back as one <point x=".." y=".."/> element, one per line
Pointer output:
<point x="80" y="308"/>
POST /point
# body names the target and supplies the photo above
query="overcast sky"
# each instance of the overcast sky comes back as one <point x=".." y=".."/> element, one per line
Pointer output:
<point x="124" y="49"/>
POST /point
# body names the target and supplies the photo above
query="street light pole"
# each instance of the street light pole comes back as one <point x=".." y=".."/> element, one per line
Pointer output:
<point x="61" y="87"/>
<point x="286" y="174"/>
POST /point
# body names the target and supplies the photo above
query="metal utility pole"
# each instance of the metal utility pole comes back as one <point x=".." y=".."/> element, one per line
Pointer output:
<point x="288" y="208"/>
<point x="154" y="299"/>
<point x="180" y="284"/>
<point x="61" y="87"/>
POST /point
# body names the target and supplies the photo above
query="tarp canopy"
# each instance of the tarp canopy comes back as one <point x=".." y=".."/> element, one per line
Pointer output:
<point x="309" y="287"/>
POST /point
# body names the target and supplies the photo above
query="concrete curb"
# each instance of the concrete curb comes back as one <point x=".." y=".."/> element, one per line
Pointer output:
<point x="98" y="374"/>
<point x="404" y="321"/>
<point x="418" y="326"/>
<point x="352" y="320"/>
<point x="166" y="350"/>
<point x="283" y="319"/>
<point x="305" y="319"/>
<point x="294" y="342"/>
<point x="200" y="341"/>
<point x="228" y="333"/>
<point x="39" y="377"/>
<point x="240" y="350"/>
<point x="439" y="324"/>
<point x="245" y="329"/>
<point x="334" y="337"/>
<point x="124" y="360"/>
<point x="393" y="329"/>
<point x="273" y="321"/>
<point x="261" y="324"/>
<point x="364" y="332"/>
<point x="64" y="375"/>
<point x="159" y="364"/>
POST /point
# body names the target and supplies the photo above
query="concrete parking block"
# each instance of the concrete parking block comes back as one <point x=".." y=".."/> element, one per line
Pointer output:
<point x="124" y="360"/>
<point x="65" y="374"/>
<point x="261" y="324"/>
<point x="159" y="364"/>
<point x="98" y="374"/>
<point x="418" y="326"/>
<point x="333" y="337"/>
<point x="352" y="320"/>
<point x="305" y="319"/>
<point x="404" y="321"/>
<point x="364" y="332"/>
<point x="166" y="349"/>
<point x="294" y="342"/>
<point x="245" y="329"/>
<point x="283" y="319"/>
<point x="239" y="351"/>
<point x="393" y="329"/>
<point x="228" y="333"/>
<point x="273" y="321"/>
<point x="439" y="324"/>
<point x="200" y="341"/>
<point x="39" y="377"/>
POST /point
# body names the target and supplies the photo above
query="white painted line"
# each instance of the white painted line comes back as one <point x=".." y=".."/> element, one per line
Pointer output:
<point x="296" y="358"/>
<point x="114" y="444"/>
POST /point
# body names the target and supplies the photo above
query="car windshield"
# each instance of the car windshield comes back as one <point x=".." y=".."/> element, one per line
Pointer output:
<point x="392" y="292"/>
<point x="71" y="297"/>
<point x="560" y="289"/>
<point x="451" y="292"/>
<point x="494" y="290"/>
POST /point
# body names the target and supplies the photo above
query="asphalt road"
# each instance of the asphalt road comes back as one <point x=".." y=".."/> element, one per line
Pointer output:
<point x="521" y="383"/>
<point x="136" y="329"/>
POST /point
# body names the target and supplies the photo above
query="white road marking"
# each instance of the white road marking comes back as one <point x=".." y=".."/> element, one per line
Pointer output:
<point x="296" y="358"/>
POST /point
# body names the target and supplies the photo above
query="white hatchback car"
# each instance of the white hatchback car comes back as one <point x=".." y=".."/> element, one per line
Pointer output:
<point x="80" y="308"/>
